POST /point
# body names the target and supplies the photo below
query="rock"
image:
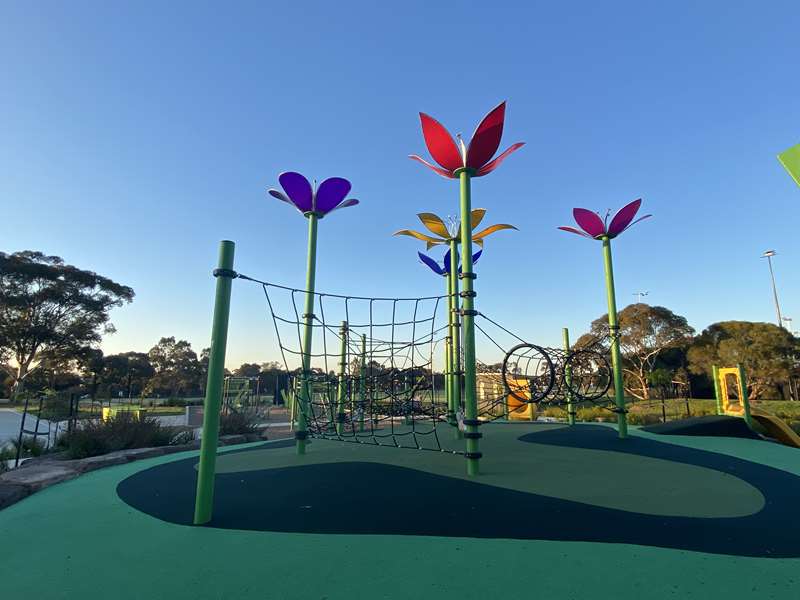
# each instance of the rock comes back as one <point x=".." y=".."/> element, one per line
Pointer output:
<point x="255" y="437"/>
<point x="41" y="476"/>
<point x="229" y="440"/>
<point x="11" y="493"/>
<point x="104" y="460"/>
<point x="47" y="458"/>
<point x="140" y="453"/>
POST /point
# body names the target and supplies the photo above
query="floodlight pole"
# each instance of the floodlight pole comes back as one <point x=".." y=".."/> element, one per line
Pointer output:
<point x="471" y="421"/>
<point x="204" y="496"/>
<point x="301" y="433"/>
<point x="768" y="255"/>
<point x="448" y="353"/>
<point x="613" y="325"/>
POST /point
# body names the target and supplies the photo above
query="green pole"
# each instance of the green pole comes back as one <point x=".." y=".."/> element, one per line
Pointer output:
<point x="471" y="422"/>
<point x="342" y="391"/>
<point x="568" y="378"/>
<point x="717" y="389"/>
<point x="613" y="325"/>
<point x="301" y="434"/>
<point x="745" y="399"/>
<point x="455" y="339"/>
<point x="204" y="497"/>
<point x="362" y="383"/>
<point x="449" y="376"/>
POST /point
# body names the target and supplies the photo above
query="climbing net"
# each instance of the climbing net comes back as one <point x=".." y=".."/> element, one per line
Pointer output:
<point x="377" y="373"/>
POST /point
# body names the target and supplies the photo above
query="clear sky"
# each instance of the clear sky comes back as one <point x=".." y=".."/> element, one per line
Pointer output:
<point x="134" y="136"/>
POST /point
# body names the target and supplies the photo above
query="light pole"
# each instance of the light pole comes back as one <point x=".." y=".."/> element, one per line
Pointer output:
<point x="768" y="255"/>
<point x="639" y="296"/>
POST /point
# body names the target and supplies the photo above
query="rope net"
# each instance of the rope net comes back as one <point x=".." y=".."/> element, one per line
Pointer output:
<point x="377" y="371"/>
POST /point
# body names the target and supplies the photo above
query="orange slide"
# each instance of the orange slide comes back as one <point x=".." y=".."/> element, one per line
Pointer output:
<point x="776" y="428"/>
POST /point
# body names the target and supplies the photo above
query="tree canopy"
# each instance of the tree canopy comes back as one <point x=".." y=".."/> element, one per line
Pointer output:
<point x="766" y="352"/>
<point x="51" y="311"/>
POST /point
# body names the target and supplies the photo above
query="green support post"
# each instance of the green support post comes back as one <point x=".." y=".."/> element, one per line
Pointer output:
<point x="204" y="497"/>
<point x="745" y="399"/>
<point x="449" y="376"/>
<point x="455" y="335"/>
<point x="613" y="325"/>
<point x="471" y="422"/>
<point x="717" y="389"/>
<point x="362" y="383"/>
<point x="301" y="434"/>
<point x="341" y="392"/>
<point x="568" y="379"/>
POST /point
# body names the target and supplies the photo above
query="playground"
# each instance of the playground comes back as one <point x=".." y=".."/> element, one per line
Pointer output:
<point x="416" y="466"/>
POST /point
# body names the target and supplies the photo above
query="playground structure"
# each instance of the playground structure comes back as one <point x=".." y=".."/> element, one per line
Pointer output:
<point x="730" y="388"/>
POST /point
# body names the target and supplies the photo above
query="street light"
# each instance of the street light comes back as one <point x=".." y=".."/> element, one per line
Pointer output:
<point x="639" y="296"/>
<point x="788" y="326"/>
<point x="768" y="255"/>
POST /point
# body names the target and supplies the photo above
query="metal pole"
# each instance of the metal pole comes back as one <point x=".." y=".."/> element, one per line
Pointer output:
<point x="449" y="376"/>
<point x="613" y="325"/>
<point x="342" y="390"/>
<point x="362" y="383"/>
<point x="717" y="389"/>
<point x="455" y="340"/>
<point x="471" y="422"/>
<point x="204" y="498"/>
<point x="774" y="290"/>
<point x="568" y="378"/>
<point x="301" y="434"/>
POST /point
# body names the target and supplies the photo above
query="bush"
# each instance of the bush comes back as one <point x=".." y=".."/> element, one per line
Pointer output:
<point x="30" y="447"/>
<point x="235" y="423"/>
<point x="120" y="432"/>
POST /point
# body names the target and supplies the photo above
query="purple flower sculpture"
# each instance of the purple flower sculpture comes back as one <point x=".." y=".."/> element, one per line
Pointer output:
<point x="444" y="269"/>
<point x="308" y="199"/>
<point x="597" y="228"/>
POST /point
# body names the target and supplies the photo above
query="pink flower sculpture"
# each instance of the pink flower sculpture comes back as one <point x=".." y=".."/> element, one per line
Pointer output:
<point x="595" y="227"/>
<point x="476" y="157"/>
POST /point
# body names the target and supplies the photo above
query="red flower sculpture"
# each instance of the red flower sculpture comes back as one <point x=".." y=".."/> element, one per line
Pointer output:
<point x="476" y="157"/>
<point x="595" y="227"/>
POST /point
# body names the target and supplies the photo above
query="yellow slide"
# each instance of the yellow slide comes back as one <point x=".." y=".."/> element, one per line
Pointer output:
<point x="776" y="428"/>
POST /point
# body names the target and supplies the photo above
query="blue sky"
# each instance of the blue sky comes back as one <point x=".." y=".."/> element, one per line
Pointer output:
<point x="135" y="136"/>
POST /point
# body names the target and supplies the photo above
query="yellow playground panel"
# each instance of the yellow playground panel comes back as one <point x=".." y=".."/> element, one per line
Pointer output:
<point x="491" y="387"/>
<point x="112" y="411"/>
<point x="728" y="380"/>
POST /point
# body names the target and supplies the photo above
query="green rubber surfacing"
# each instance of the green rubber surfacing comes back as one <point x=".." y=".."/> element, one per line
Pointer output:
<point x="77" y="538"/>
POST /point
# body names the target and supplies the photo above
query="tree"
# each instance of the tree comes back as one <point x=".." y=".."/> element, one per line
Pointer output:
<point x="177" y="370"/>
<point x="248" y="370"/>
<point x="646" y="332"/>
<point x="766" y="352"/>
<point x="50" y="310"/>
<point x="127" y="372"/>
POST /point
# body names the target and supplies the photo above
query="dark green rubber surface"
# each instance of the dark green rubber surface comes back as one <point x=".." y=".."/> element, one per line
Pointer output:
<point x="80" y="539"/>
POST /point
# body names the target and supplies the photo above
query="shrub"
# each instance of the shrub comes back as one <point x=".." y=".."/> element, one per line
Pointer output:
<point x="235" y="423"/>
<point x="30" y="447"/>
<point x="120" y="432"/>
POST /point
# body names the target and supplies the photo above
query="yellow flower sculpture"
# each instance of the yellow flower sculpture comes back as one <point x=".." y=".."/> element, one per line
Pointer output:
<point x="445" y="233"/>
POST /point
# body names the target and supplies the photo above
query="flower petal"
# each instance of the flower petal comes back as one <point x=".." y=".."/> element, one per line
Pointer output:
<point x="446" y="261"/>
<point x="434" y="224"/>
<point x="477" y="215"/>
<point x="573" y="230"/>
<point x="434" y="266"/>
<point x="489" y="167"/>
<point x="486" y="139"/>
<point x="298" y="189"/>
<point x="589" y="221"/>
<point x="419" y="236"/>
<point x="440" y="143"/>
<point x="624" y="217"/>
<point x="491" y="229"/>
<point x="279" y="195"/>
<point x="345" y="204"/>
<point x="635" y="222"/>
<point x="441" y="172"/>
<point x="330" y="194"/>
<point x="476" y="256"/>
